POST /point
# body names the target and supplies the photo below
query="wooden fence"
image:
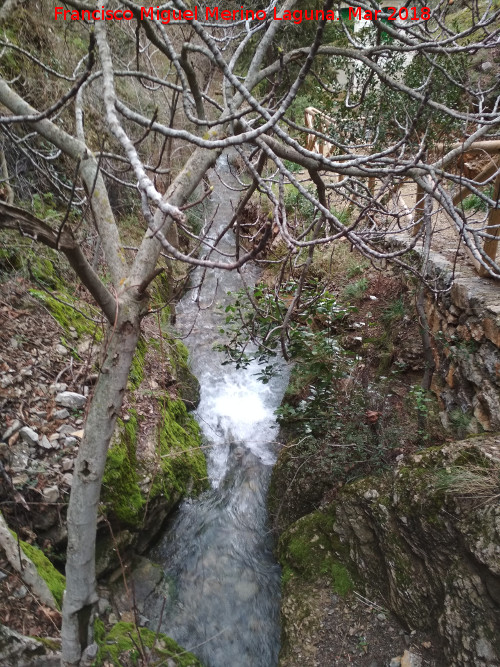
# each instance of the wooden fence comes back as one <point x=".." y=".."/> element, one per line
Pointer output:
<point x="490" y="247"/>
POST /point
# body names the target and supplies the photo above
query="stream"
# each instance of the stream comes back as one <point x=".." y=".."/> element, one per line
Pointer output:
<point x="223" y="593"/>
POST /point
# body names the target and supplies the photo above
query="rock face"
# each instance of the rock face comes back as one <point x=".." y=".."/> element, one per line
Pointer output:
<point x="466" y="328"/>
<point x="464" y="321"/>
<point x="425" y="537"/>
<point x="16" y="650"/>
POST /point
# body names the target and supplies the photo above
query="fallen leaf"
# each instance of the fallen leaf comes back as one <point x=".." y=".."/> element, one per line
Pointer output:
<point x="372" y="417"/>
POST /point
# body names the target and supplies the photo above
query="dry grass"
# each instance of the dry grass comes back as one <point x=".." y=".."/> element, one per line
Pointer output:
<point x="472" y="481"/>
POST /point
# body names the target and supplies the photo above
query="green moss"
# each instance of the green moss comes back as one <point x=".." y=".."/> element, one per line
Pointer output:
<point x="307" y="550"/>
<point x="182" y="461"/>
<point x="341" y="579"/>
<point x="181" y="464"/>
<point x="52" y="577"/>
<point x="51" y="644"/>
<point x="120" y="488"/>
<point x="124" y="642"/>
<point x="136" y="374"/>
<point x="99" y="631"/>
<point x="187" y="384"/>
<point x="66" y="315"/>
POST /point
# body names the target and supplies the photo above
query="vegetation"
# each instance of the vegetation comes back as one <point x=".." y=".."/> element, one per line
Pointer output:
<point x="101" y="162"/>
<point x="179" y="465"/>
<point x="306" y="550"/>
<point x="125" y="645"/>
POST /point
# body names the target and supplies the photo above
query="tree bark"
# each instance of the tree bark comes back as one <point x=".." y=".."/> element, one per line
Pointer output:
<point x="81" y="595"/>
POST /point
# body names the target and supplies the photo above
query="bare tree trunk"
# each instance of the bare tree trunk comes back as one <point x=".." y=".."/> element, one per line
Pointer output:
<point x="9" y="192"/>
<point x="81" y="595"/>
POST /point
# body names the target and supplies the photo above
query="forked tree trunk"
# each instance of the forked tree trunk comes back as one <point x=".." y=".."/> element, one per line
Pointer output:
<point x="81" y="595"/>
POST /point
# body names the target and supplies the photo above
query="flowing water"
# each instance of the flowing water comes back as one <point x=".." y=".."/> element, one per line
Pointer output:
<point x="222" y="598"/>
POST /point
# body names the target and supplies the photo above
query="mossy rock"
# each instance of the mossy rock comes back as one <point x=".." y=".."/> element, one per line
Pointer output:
<point x="55" y="581"/>
<point x="67" y="316"/>
<point x="188" y="386"/>
<point x="123" y="644"/>
<point x="309" y="550"/>
<point x="183" y="467"/>
<point x="120" y="484"/>
<point x="136" y="374"/>
<point x="178" y="469"/>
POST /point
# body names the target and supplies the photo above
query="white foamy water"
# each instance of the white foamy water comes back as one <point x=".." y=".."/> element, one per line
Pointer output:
<point x="222" y="600"/>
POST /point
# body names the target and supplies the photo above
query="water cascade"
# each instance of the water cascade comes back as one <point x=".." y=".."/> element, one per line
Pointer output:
<point x="221" y="600"/>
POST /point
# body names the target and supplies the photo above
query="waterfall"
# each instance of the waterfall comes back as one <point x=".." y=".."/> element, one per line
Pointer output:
<point x="221" y="600"/>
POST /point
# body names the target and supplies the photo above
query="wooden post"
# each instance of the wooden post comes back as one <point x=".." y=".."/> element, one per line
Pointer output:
<point x="492" y="146"/>
<point x="480" y="178"/>
<point x="493" y="228"/>
<point x="419" y="210"/>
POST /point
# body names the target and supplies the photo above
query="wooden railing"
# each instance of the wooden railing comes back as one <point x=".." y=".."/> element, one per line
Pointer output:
<point x="490" y="247"/>
<point x="314" y="117"/>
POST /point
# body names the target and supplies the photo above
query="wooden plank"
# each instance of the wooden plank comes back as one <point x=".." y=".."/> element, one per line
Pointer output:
<point x="492" y="147"/>
<point x="493" y="228"/>
<point x="419" y="210"/>
<point x="480" y="178"/>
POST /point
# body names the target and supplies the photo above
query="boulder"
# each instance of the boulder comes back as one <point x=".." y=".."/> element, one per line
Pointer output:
<point x="16" y="649"/>
<point x="425" y="538"/>
<point x="29" y="435"/>
<point x="69" y="399"/>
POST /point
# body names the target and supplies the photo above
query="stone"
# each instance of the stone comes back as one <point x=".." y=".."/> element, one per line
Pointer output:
<point x="67" y="464"/>
<point x="476" y="331"/>
<point x="20" y="592"/>
<point x="65" y="430"/>
<point x="57" y="387"/>
<point x="20" y="480"/>
<point x="70" y="442"/>
<point x="485" y="650"/>
<point x="411" y="660"/>
<point x="19" y="461"/>
<point x="51" y="494"/>
<point x="90" y="653"/>
<point x="486" y="66"/>
<point x="103" y="605"/>
<point x="45" y="442"/>
<point x="68" y="479"/>
<point x="60" y="349"/>
<point x="29" y="435"/>
<point x="77" y="434"/>
<point x="13" y="428"/>
<point x="395" y="662"/>
<point x="6" y="381"/>
<point x="371" y="494"/>
<point x="491" y="331"/>
<point x="61" y="414"/>
<point x="70" y="399"/>
<point x="144" y="579"/>
<point x="84" y="347"/>
<point x="17" y="649"/>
